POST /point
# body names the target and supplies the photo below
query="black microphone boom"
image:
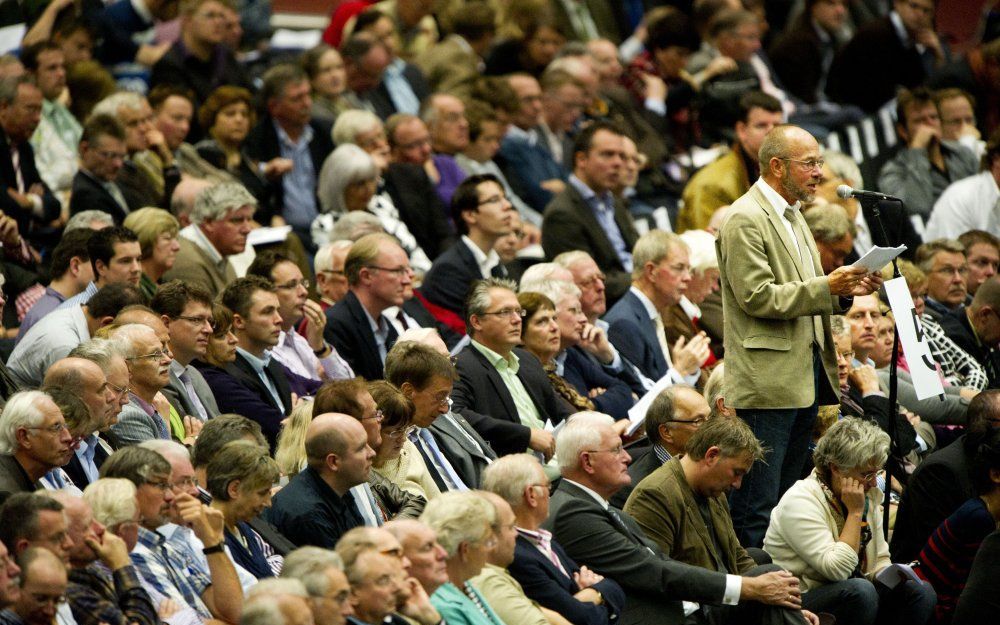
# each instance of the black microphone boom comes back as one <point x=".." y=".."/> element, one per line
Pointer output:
<point x="844" y="192"/>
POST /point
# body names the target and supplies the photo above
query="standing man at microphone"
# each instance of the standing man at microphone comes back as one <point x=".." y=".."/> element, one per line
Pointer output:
<point x="777" y="305"/>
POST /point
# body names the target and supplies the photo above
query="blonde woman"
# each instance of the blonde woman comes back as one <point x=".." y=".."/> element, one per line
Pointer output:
<point x="158" y="239"/>
<point x="290" y="453"/>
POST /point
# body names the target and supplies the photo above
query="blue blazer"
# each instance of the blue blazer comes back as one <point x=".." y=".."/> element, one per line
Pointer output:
<point x="544" y="583"/>
<point x="633" y="334"/>
<point x="526" y="166"/>
<point x="234" y="396"/>
<point x="584" y="375"/>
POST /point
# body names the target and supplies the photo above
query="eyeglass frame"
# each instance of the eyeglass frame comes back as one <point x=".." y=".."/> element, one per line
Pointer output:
<point x="809" y="165"/>
<point x="506" y="312"/>
<point x="158" y="354"/>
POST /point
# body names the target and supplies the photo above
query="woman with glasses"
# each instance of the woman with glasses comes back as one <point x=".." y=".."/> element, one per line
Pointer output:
<point x="463" y="523"/>
<point x="827" y="531"/>
<point x="157" y="231"/>
<point x="397" y="458"/>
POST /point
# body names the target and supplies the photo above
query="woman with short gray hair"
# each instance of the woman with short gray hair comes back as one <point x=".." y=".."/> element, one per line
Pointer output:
<point x="350" y="181"/>
<point x="464" y="523"/>
<point x="827" y="531"/>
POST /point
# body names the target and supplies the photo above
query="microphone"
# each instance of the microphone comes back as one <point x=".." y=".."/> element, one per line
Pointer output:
<point x="845" y="192"/>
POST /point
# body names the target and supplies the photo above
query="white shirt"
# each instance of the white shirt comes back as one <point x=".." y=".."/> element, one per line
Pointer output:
<point x="971" y="203"/>
<point x="779" y="204"/>
<point x="863" y="237"/>
<point x="486" y="262"/>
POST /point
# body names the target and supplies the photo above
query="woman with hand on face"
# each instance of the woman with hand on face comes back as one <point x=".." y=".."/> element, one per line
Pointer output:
<point x="827" y="531"/>
<point x="227" y="117"/>
<point x="397" y="459"/>
<point x="240" y="478"/>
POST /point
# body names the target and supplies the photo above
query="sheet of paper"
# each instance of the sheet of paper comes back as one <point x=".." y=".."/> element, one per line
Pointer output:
<point x="637" y="414"/>
<point x="11" y="36"/>
<point x="286" y="39"/>
<point x="262" y="236"/>
<point x="892" y="575"/>
<point x="878" y="257"/>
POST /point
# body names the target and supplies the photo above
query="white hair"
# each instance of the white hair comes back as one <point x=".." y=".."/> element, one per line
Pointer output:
<point x="167" y="448"/>
<point x="83" y="219"/>
<point x="701" y="250"/>
<point x="212" y="203"/>
<point x="112" y="499"/>
<point x="538" y="273"/>
<point x="115" y="102"/>
<point x="323" y="260"/>
<point x="309" y="565"/>
<point x="555" y="290"/>
<point x="581" y="432"/>
<point x="352" y="123"/>
<point x="20" y="411"/>
<point x="130" y="333"/>
<point x="273" y="586"/>
<point x="509" y="475"/>
<point x="417" y="335"/>
<point x="345" y="166"/>
<point x="458" y="517"/>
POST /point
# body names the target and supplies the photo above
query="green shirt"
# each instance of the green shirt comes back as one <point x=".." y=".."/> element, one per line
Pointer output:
<point x="527" y="411"/>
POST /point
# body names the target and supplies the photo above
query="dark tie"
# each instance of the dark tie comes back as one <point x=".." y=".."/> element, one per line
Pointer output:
<point x="402" y="319"/>
<point x="499" y="271"/>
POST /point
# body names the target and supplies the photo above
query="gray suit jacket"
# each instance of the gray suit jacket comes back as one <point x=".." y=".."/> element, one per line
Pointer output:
<point x="13" y="479"/>
<point x="452" y="436"/>
<point x="611" y="543"/>
<point x="177" y="395"/>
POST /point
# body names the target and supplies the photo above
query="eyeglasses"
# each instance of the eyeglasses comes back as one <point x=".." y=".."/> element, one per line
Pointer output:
<point x="496" y="199"/>
<point x="616" y="451"/>
<point x="519" y="313"/>
<point x="697" y="421"/>
<point x="111" y="156"/>
<point x="378" y="416"/>
<point x="184" y="483"/>
<point x="336" y="272"/>
<point x="870" y="475"/>
<point x="157" y="355"/>
<point x="293" y="284"/>
<point x="846" y="355"/>
<point x="816" y="164"/>
<point x="162" y="486"/>
<point x="120" y="390"/>
<point x="487" y="543"/>
<point x="55" y="428"/>
<point x="951" y="271"/>
<point x="198" y="321"/>
<point x="547" y="487"/>
<point x="399" y="271"/>
<point x="401" y="432"/>
<point x="444" y="401"/>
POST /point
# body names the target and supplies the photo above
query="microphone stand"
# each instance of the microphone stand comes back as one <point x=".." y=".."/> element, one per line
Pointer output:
<point x="873" y="204"/>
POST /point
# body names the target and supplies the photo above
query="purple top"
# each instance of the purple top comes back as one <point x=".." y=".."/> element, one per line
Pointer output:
<point x="451" y="176"/>
<point x="45" y="304"/>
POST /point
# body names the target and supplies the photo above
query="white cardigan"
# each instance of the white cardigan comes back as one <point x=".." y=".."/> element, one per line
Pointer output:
<point x="802" y="536"/>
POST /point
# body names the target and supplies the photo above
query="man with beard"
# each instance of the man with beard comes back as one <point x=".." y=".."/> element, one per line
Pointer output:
<point x="778" y="304"/>
<point x="35" y="440"/>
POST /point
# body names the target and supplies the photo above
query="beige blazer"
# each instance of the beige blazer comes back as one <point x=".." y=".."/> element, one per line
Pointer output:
<point x="193" y="265"/>
<point x="768" y="308"/>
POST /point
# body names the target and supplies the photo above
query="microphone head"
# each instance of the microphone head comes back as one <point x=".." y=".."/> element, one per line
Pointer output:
<point x="845" y="192"/>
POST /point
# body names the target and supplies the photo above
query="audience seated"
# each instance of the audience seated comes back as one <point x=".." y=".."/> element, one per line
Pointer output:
<point x="503" y="391"/>
<point x="672" y="419"/>
<point x="403" y="85"/>
<point x="682" y="319"/>
<point x="925" y="164"/>
<point x="803" y="54"/>
<point x="483" y="215"/>
<point x="378" y="273"/>
<point x="58" y="133"/>
<point x="453" y="65"/>
<point x="408" y="472"/>
<point x="42" y="573"/>
<point x="220" y="223"/>
<point x="827" y="531"/>
<point x="145" y="417"/>
<point x="321" y="571"/>
<point x="115" y="257"/>
<point x="540" y="565"/>
<point x="593" y="466"/>
<point x="965" y="204"/>
<point x="36" y="440"/>
<point x="451" y="449"/>
<point x="586" y="216"/>
<point x="969" y="328"/>
<point x="982" y="252"/>
<point x="71" y="273"/>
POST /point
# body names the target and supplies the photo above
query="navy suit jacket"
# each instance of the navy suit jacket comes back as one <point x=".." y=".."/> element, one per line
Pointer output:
<point x="29" y="174"/>
<point x="633" y="334"/>
<point x="75" y="468"/>
<point x="238" y="390"/>
<point x="481" y="396"/>
<point x="546" y="584"/>
<point x="526" y="166"/>
<point x="89" y="194"/>
<point x="452" y="274"/>
<point x="584" y="375"/>
<point x="348" y="330"/>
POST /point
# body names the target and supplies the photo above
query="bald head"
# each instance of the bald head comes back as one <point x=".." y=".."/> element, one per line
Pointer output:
<point x="337" y="448"/>
<point x="789" y="162"/>
<point x="70" y="373"/>
<point x="326" y="434"/>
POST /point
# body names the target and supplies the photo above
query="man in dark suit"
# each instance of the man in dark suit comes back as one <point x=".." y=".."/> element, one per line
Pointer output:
<point x="25" y="196"/>
<point x="403" y="86"/>
<point x="102" y="154"/>
<point x="941" y="483"/>
<point x="594" y="533"/>
<point x="973" y="328"/>
<point x="419" y="207"/>
<point x="547" y="575"/>
<point x="378" y="273"/>
<point x="586" y="215"/>
<point x="455" y="454"/>
<point x="32" y="451"/>
<point x="503" y="391"/>
<point x="257" y="324"/>
<point x="802" y="55"/>
<point x="673" y="417"/>
<point x="900" y="49"/>
<point x="636" y="327"/>
<point x="288" y="131"/>
<point x="483" y="216"/>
